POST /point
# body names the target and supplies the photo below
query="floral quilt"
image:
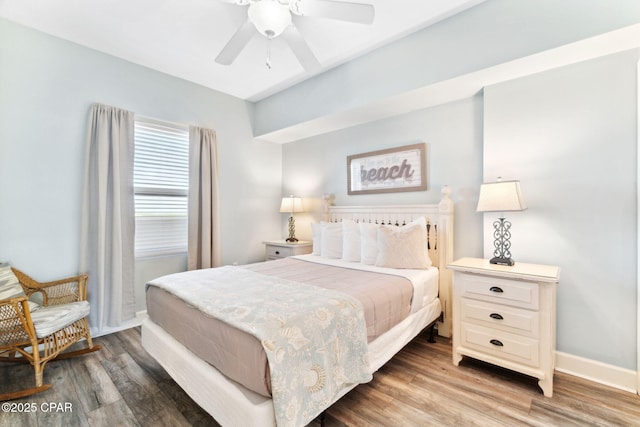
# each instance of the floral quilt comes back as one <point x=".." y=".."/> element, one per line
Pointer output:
<point x="314" y="338"/>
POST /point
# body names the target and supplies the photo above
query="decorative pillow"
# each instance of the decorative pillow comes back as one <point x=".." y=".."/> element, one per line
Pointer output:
<point x="404" y="247"/>
<point x="316" y="231"/>
<point x="368" y="243"/>
<point x="9" y="285"/>
<point x="331" y="241"/>
<point x="350" y="241"/>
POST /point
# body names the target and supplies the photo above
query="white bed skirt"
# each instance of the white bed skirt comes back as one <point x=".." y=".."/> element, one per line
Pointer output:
<point x="231" y="404"/>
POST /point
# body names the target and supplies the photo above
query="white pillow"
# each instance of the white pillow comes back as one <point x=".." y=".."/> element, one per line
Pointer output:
<point x="404" y="247"/>
<point x="331" y="241"/>
<point x="368" y="243"/>
<point x="316" y="231"/>
<point x="350" y="241"/>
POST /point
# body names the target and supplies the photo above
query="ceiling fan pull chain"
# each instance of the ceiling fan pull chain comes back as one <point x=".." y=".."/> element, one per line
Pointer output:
<point x="268" y="61"/>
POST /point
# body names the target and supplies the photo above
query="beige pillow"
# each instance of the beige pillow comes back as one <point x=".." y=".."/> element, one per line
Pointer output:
<point x="404" y="247"/>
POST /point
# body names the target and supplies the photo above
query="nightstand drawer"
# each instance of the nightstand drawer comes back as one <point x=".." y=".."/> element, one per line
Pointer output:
<point x="276" y="249"/>
<point x="500" y="344"/>
<point x="511" y="292"/>
<point x="275" y="252"/>
<point x="510" y="319"/>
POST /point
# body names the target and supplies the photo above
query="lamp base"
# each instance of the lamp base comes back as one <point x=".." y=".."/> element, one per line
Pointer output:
<point x="502" y="261"/>
<point x="292" y="230"/>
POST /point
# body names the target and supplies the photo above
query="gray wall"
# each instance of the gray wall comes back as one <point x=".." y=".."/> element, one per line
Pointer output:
<point x="569" y="136"/>
<point x="46" y="88"/>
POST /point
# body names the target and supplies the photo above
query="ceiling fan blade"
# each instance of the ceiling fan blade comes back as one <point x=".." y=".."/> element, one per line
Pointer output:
<point x="235" y="45"/>
<point x="301" y="49"/>
<point x="360" y="13"/>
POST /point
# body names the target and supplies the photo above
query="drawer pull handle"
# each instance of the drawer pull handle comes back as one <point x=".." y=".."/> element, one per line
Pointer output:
<point x="496" y="316"/>
<point x="496" y="289"/>
<point x="497" y="343"/>
<point x="277" y="252"/>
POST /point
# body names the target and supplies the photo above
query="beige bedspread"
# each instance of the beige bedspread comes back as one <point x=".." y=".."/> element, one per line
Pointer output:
<point x="386" y="298"/>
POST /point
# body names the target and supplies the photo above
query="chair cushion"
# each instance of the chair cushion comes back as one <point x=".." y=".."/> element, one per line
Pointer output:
<point x="48" y="320"/>
<point x="9" y="285"/>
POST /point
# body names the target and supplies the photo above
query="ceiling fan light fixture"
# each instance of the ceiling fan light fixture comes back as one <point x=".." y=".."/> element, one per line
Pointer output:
<point x="270" y="17"/>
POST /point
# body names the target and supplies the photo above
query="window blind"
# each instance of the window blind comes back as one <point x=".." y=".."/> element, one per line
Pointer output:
<point x="161" y="184"/>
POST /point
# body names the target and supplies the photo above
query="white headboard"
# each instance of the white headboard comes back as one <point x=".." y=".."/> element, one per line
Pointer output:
<point x="440" y="231"/>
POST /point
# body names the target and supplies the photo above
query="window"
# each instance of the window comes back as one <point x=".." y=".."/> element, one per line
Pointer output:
<point x="161" y="183"/>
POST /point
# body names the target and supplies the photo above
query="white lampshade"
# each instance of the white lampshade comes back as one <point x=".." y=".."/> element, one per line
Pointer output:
<point x="501" y="196"/>
<point x="269" y="17"/>
<point x="291" y="204"/>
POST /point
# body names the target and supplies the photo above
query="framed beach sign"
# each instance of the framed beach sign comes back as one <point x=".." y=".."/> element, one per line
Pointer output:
<point x="387" y="171"/>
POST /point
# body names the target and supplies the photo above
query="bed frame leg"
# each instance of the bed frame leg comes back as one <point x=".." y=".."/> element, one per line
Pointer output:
<point x="323" y="419"/>
<point x="432" y="334"/>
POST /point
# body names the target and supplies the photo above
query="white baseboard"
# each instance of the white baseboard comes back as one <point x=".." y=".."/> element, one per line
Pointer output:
<point x="141" y="315"/>
<point x="592" y="370"/>
<point x="131" y="323"/>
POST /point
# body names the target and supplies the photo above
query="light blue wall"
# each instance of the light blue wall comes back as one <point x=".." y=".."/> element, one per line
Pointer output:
<point x="46" y="88"/>
<point x="453" y="133"/>
<point x="488" y="34"/>
<point x="569" y="136"/>
<point x="572" y="123"/>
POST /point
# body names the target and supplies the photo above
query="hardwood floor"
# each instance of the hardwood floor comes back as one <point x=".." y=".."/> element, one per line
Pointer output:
<point x="121" y="385"/>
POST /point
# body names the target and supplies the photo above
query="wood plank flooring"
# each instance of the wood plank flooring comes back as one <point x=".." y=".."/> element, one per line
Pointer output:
<point x="121" y="385"/>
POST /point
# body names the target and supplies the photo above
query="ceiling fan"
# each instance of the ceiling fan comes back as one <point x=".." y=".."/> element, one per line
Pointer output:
<point x="272" y="18"/>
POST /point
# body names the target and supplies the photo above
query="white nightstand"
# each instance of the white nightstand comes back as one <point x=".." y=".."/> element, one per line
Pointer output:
<point x="276" y="249"/>
<point x="506" y="316"/>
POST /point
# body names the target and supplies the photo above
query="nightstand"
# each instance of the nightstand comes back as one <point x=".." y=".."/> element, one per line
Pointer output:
<point x="276" y="249"/>
<point x="506" y="316"/>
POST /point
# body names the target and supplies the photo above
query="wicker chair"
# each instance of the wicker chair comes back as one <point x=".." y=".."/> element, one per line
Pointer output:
<point x="27" y="335"/>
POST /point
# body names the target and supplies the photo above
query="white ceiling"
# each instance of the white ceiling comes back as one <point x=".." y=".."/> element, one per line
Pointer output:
<point x="183" y="37"/>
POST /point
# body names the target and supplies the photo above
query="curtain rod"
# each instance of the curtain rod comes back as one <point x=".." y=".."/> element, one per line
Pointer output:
<point x="160" y="121"/>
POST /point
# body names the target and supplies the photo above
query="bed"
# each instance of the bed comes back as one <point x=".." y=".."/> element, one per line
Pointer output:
<point x="179" y="343"/>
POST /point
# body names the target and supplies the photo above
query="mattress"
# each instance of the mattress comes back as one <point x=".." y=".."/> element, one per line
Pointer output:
<point x="388" y="297"/>
<point x="230" y="403"/>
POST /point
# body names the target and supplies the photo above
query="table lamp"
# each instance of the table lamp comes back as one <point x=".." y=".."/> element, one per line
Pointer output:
<point x="291" y="205"/>
<point x="501" y="196"/>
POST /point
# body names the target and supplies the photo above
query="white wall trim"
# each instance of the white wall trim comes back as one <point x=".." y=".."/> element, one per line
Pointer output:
<point x="461" y="87"/>
<point x="638" y="228"/>
<point x="131" y="323"/>
<point x="592" y="370"/>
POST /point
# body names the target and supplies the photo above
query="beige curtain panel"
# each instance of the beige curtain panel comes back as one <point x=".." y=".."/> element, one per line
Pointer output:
<point x="204" y="211"/>
<point x="108" y="217"/>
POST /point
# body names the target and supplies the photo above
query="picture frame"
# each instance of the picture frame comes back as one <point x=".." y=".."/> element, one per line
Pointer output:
<point x="391" y="170"/>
